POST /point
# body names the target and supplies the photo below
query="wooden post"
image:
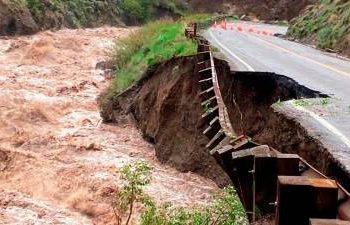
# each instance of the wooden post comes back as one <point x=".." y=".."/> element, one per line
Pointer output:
<point x="267" y="168"/>
<point x="302" y="198"/>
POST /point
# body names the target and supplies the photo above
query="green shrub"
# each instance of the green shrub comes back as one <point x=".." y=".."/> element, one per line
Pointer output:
<point x="325" y="38"/>
<point x="136" y="10"/>
<point x="156" y="41"/>
<point x="136" y="177"/>
<point x="327" y="23"/>
<point x="140" y="11"/>
<point x="225" y="209"/>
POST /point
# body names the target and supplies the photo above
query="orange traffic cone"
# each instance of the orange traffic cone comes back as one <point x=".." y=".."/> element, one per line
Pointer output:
<point x="239" y="27"/>
<point x="222" y="24"/>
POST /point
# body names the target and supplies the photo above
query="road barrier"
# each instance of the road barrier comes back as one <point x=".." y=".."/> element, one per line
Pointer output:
<point x="240" y="28"/>
<point x="265" y="179"/>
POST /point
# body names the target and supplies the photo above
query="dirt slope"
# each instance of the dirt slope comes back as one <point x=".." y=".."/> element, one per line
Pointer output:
<point x="262" y="9"/>
<point x="58" y="161"/>
<point x="27" y="17"/>
<point x="15" y="21"/>
<point x="168" y="109"/>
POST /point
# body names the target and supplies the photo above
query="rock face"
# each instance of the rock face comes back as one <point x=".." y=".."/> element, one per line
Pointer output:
<point x="262" y="9"/>
<point x="18" y="19"/>
<point x="14" y="21"/>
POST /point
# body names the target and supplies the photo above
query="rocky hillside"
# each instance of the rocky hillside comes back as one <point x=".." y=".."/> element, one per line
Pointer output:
<point x="325" y="24"/>
<point x="29" y="16"/>
<point x="262" y="9"/>
<point x="13" y="19"/>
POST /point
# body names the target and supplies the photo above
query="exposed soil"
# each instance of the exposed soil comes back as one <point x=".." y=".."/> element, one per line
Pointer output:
<point x="12" y="22"/>
<point x="19" y="17"/>
<point x="264" y="10"/>
<point x="16" y="18"/>
<point x="167" y="107"/>
<point x="252" y="100"/>
<point x="58" y="162"/>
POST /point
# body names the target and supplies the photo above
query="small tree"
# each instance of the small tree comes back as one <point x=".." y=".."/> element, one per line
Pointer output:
<point x="136" y="176"/>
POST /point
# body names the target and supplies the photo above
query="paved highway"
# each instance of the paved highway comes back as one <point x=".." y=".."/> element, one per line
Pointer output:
<point x="250" y="48"/>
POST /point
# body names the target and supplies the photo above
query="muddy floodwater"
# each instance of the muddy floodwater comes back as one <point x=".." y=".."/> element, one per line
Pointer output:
<point x="58" y="161"/>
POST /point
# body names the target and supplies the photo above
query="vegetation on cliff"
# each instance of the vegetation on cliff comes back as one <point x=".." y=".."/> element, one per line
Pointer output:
<point x="49" y="14"/>
<point x="154" y="42"/>
<point x="327" y="24"/>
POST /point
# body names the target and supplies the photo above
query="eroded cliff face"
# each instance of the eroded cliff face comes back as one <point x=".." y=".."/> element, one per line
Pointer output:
<point x="168" y="111"/>
<point x="22" y="17"/>
<point x="15" y="20"/>
<point x="262" y="9"/>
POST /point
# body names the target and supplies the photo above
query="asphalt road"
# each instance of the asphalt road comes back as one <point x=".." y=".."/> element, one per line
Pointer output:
<point x="252" y="47"/>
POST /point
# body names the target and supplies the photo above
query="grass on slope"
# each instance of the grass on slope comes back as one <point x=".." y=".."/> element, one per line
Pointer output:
<point x="327" y="23"/>
<point x="156" y="41"/>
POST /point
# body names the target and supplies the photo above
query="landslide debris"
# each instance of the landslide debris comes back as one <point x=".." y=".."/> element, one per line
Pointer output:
<point x="325" y="24"/>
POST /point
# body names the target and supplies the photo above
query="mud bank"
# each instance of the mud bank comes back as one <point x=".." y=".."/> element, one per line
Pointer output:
<point x="167" y="108"/>
<point x="254" y="102"/>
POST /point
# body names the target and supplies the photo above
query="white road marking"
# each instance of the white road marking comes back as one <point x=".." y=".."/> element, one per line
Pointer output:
<point x="324" y="123"/>
<point x="249" y="67"/>
<point x="316" y="117"/>
<point x="300" y="56"/>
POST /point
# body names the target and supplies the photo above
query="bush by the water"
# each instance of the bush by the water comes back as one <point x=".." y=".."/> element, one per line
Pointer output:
<point x="224" y="209"/>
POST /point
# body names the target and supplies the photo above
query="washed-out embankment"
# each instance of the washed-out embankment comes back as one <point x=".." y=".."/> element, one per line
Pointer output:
<point x="166" y="106"/>
<point x="192" y="108"/>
